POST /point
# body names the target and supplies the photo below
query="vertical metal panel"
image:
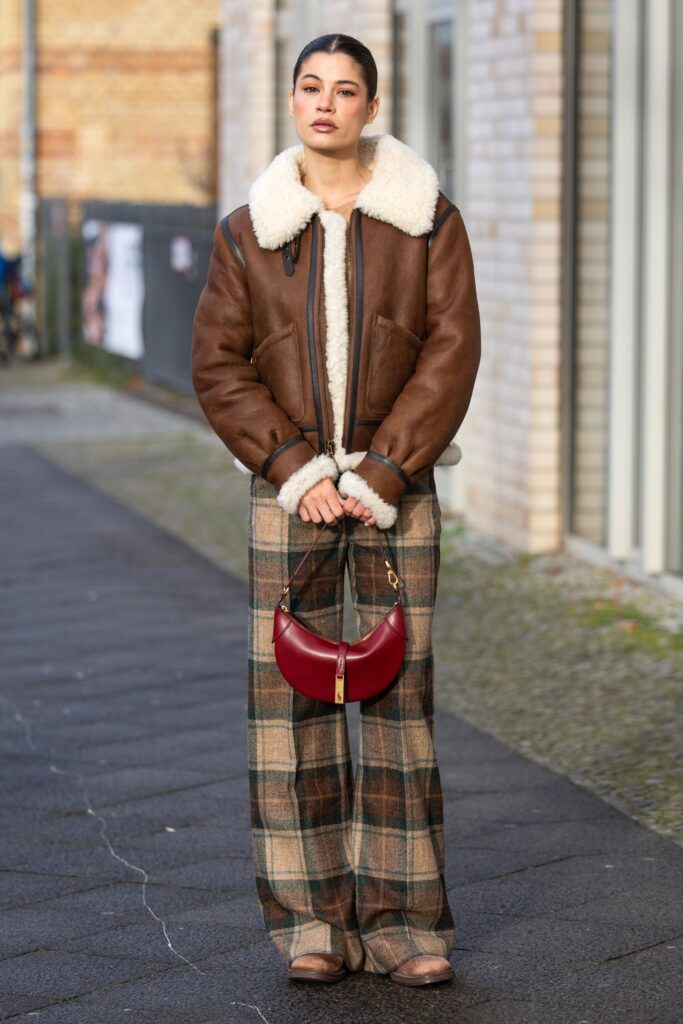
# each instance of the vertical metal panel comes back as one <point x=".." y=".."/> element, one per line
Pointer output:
<point x="455" y="480"/>
<point x="675" y="471"/>
<point x="54" y="273"/>
<point x="568" y="270"/>
<point x="170" y="297"/>
<point x="656" y="280"/>
<point x="626" y="188"/>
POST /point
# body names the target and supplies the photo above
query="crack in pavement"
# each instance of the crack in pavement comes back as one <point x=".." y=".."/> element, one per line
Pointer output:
<point x="90" y="810"/>
<point x="652" y="945"/>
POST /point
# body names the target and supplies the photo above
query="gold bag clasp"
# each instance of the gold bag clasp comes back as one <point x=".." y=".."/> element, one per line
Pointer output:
<point x="338" y="689"/>
<point x="391" y="575"/>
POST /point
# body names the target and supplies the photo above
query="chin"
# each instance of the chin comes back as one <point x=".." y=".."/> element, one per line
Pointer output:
<point x="323" y="136"/>
<point x="332" y="140"/>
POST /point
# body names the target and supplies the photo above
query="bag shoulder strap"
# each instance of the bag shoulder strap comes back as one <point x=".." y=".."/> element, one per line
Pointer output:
<point x="391" y="574"/>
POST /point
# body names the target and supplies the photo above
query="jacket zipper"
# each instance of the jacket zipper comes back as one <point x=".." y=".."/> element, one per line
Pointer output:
<point x="329" y="444"/>
<point x="346" y="431"/>
<point x="313" y="320"/>
<point x="356" y="321"/>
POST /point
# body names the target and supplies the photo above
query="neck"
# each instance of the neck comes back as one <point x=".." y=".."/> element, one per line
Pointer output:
<point x="337" y="178"/>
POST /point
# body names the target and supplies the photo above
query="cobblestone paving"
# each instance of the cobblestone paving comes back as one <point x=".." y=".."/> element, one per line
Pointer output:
<point x="576" y="667"/>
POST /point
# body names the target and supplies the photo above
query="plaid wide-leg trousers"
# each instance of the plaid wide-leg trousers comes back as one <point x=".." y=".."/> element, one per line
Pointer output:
<point x="344" y="864"/>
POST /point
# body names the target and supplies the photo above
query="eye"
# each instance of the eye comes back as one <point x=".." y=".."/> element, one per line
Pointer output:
<point x="349" y="92"/>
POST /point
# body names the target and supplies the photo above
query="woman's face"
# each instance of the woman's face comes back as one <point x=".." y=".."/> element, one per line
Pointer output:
<point x="331" y="86"/>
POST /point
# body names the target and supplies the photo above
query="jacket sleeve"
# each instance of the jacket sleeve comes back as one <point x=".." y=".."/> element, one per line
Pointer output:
<point x="432" y="405"/>
<point x="238" y="406"/>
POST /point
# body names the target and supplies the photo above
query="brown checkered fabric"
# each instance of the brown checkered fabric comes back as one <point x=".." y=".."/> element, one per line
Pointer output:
<point x="344" y="864"/>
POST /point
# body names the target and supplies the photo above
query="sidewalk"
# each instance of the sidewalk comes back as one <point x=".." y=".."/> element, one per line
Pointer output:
<point x="577" y="667"/>
<point x="127" y="883"/>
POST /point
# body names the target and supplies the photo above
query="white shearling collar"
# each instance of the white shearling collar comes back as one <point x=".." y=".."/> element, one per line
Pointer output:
<point x="403" y="191"/>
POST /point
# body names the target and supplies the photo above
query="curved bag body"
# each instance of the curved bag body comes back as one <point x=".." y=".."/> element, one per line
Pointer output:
<point x="308" y="661"/>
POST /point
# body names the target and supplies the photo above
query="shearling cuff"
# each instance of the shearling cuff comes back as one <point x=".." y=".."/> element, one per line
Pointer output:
<point x="353" y="484"/>
<point x="450" y="456"/>
<point x="296" y="485"/>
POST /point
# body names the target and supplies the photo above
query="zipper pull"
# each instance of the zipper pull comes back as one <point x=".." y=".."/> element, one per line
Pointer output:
<point x="287" y="260"/>
<point x="329" y="447"/>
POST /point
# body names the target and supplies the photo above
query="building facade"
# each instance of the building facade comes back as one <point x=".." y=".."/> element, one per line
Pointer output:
<point x="556" y="129"/>
<point x="108" y="172"/>
<point x="125" y="103"/>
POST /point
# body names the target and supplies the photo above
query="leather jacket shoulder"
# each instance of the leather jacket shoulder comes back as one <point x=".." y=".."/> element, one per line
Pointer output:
<point x="321" y="349"/>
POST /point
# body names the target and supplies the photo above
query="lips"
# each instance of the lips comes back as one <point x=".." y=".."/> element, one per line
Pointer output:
<point x="324" y="123"/>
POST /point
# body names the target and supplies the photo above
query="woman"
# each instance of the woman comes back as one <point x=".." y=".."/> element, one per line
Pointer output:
<point x="335" y="349"/>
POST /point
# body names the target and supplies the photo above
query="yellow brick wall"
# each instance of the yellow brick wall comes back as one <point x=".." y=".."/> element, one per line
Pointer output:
<point x="125" y="101"/>
<point x="10" y="123"/>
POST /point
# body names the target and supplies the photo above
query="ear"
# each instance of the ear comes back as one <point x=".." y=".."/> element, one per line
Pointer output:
<point x="374" y="110"/>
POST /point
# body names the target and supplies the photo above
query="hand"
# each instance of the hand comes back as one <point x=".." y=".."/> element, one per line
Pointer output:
<point x="355" y="507"/>
<point x="323" y="501"/>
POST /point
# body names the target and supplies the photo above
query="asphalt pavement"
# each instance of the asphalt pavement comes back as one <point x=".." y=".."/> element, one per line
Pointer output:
<point x="126" y="881"/>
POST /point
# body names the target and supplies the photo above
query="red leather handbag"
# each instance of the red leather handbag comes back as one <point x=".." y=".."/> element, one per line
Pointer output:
<point x="337" y="671"/>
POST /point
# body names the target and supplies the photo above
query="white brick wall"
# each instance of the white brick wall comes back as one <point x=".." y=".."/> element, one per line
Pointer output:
<point x="513" y="108"/>
<point x="514" y="112"/>
<point x="591" y="341"/>
<point x="247" y="111"/>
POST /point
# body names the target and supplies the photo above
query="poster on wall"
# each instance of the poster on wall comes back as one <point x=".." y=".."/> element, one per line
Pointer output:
<point x="115" y="288"/>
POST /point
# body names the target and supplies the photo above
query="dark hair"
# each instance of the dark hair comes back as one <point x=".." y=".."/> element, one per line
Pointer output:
<point x="337" y="42"/>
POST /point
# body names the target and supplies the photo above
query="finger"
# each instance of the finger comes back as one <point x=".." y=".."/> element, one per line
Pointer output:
<point x="333" y="497"/>
<point x="350" y="504"/>
<point x="336" y="504"/>
<point x="343" y="503"/>
<point x="313" y="512"/>
<point x="328" y="514"/>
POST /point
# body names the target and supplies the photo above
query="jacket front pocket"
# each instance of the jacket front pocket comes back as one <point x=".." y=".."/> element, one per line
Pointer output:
<point x="393" y="355"/>
<point x="278" y="361"/>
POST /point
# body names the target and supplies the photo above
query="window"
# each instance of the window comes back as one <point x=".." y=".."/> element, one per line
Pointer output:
<point x="399" y="58"/>
<point x="674" y="546"/>
<point x="441" y="99"/>
<point x="591" y="226"/>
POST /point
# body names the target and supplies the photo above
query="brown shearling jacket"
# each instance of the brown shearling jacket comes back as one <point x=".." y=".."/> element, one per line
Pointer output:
<point x="304" y="378"/>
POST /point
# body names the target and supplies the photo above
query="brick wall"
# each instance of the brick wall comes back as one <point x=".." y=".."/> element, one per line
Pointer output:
<point x="591" y="342"/>
<point x="513" y="170"/>
<point x="10" y="125"/>
<point x="246" y="109"/>
<point x="513" y="110"/>
<point x="247" y="112"/>
<point x="125" y="101"/>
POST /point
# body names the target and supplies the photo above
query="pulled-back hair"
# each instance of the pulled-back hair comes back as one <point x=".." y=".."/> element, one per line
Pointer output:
<point x="337" y="42"/>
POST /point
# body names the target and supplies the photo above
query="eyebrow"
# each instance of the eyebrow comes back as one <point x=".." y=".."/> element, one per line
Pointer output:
<point x="340" y="81"/>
